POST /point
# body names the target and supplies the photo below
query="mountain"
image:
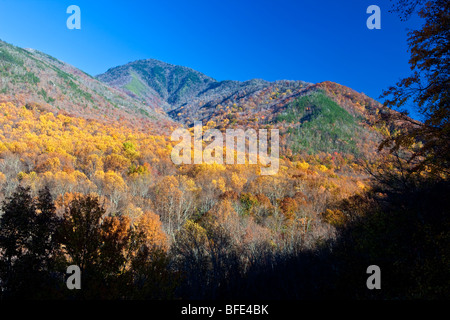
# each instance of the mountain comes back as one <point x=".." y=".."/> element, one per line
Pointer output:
<point x="155" y="81"/>
<point x="312" y="118"/>
<point x="28" y="76"/>
<point x="324" y="117"/>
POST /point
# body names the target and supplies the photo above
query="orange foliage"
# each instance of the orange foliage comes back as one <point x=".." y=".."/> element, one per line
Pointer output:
<point x="149" y="228"/>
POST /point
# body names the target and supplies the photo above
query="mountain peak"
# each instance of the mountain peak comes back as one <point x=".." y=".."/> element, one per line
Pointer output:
<point x="152" y="80"/>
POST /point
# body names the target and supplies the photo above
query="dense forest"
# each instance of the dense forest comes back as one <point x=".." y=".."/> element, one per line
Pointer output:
<point x="359" y="183"/>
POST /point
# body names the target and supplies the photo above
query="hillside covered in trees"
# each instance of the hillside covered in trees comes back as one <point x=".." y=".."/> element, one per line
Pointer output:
<point x="87" y="179"/>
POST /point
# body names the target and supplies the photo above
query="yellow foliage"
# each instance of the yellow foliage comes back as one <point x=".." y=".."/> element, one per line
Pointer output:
<point x="302" y="165"/>
<point x="212" y="167"/>
<point x="237" y="182"/>
<point x="334" y="217"/>
<point x="133" y="212"/>
<point x="219" y="184"/>
<point x="188" y="184"/>
<point x="114" y="181"/>
<point x="192" y="232"/>
<point x="361" y="185"/>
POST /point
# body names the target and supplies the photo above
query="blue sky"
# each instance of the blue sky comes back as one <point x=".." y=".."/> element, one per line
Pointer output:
<point x="234" y="39"/>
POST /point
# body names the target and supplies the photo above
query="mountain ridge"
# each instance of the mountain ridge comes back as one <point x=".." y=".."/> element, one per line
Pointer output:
<point x="155" y="93"/>
<point x="29" y="76"/>
<point x="175" y="85"/>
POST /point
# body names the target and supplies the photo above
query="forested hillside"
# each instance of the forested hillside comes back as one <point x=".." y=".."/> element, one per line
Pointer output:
<point x="32" y="77"/>
<point x="87" y="179"/>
